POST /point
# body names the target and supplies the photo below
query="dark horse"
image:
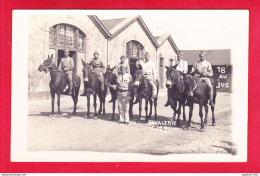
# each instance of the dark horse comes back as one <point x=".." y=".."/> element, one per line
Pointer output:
<point x="199" y="93"/>
<point x="144" y="90"/>
<point x="176" y="90"/>
<point x="111" y="79"/>
<point x="93" y="86"/>
<point x="58" y="82"/>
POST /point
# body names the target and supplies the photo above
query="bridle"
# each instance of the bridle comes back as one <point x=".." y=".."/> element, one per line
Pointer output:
<point x="196" y="84"/>
<point x="47" y="68"/>
<point x="172" y="80"/>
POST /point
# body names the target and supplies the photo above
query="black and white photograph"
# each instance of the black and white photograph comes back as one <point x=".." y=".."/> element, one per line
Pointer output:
<point x="129" y="85"/>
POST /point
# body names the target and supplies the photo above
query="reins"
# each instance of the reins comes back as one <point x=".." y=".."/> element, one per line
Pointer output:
<point x="196" y="84"/>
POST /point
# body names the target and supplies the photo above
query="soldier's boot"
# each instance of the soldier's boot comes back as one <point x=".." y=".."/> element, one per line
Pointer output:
<point x="154" y="92"/>
<point x="209" y="85"/>
<point x="211" y="97"/>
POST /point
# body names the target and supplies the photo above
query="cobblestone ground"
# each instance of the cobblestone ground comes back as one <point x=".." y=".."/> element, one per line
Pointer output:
<point x="103" y="135"/>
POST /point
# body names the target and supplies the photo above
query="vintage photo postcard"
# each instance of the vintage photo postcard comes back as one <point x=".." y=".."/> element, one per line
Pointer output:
<point x="129" y="85"/>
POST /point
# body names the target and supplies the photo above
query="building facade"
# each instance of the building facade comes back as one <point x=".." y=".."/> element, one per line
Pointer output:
<point x="221" y="65"/>
<point x="82" y="35"/>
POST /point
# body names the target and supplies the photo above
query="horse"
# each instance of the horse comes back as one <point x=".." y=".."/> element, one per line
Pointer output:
<point x="176" y="90"/>
<point x="111" y="79"/>
<point x="144" y="90"/>
<point x="58" y="83"/>
<point x="199" y="93"/>
<point x="93" y="86"/>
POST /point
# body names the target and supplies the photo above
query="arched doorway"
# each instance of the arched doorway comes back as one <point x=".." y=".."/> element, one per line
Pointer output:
<point x="134" y="52"/>
<point x="65" y="36"/>
<point x="161" y="72"/>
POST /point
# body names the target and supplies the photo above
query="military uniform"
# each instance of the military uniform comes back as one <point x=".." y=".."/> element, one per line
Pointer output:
<point x="182" y="65"/>
<point x="123" y="95"/>
<point x="67" y="64"/>
<point x="204" y="69"/>
<point x="122" y="68"/>
<point x="150" y="74"/>
<point x="98" y="67"/>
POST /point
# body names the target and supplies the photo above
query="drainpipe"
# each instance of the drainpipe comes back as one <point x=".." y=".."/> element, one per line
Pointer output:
<point x="107" y="51"/>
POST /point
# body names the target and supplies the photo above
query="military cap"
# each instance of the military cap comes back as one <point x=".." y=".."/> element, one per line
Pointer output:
<point x="122" y="57"/>
<point x="202" y="53"/>
<point x="66" y="50"/>
<point x="96" y="52"/>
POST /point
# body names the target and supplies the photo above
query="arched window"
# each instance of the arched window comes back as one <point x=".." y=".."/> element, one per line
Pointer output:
<point x="134" y="49"/>
<point x="63" y="36"/>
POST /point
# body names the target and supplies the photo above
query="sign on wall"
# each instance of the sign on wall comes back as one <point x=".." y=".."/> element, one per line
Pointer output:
<point x="222" y="75"/>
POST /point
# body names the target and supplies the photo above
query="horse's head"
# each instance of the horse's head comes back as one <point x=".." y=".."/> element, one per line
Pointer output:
<point x="171" y="76"/>
<point x="190" y="84"/>
<point x="139" y="77"/>
<point x="47" y="64"/>
<point x="109" y="76"/>
<point x="85" y="70"/>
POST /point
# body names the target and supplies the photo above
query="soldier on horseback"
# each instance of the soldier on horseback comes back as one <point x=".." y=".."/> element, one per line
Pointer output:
<point x="150" y="73"/>
<point x="98" y="67"/>
<point x="204" y="70"/>
<point x="67" y="65"/>
<point x="182" y="66"/>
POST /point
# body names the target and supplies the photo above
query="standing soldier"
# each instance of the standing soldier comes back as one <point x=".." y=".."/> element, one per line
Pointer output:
<point x="121" y="66"/>
<point x="99" y="69"/>
<point x="182" y="66"/>
<point x="67" y="65"/>
<point x="204" y="70"/>
<point x="124" y="82"/>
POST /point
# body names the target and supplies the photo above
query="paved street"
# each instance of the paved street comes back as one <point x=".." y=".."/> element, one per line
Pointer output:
<point x="103" y="135"/>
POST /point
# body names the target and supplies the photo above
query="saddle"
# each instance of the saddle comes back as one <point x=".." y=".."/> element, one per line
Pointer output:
<point x="75" y="82"/>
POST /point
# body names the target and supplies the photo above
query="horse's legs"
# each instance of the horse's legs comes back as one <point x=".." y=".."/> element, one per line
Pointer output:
<point x="58" y="103"/>
<point x="155" y="108"/>
<point x="151" y="107"/>
<point x="130" y="108"/>
<point x="75" y="100"/>
<point x="206" y="113"/>
<point x="190" y="116"/>
<point x="174" y="107"/>
<point x="114" y="107"/>
<point x="146" y="109"/>
<point x="179" y="113"/>
<point x="104" y="105"/>
<point x="52" y="102"/>
<point x="213" y="116"/>
<point x="140" y="108"/>
<point x="95" y="104"/>
<point x="88" y="105"/>
<point x="201" y="117"/>
<point x="183" y="110"/>
<point x="100" y="103"/>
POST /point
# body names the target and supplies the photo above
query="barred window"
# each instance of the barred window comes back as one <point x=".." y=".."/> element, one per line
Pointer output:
<point x="66" y="36"/>
<point x="134" y="49"/>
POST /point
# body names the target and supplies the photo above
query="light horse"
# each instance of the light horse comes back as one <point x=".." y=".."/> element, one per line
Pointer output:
<point x="93" y="86"/>
<point x="58" y="83"/>
<point x="111" y="79"/>
<point x="144" y="90"/>
<point x="199" y="93"/>
<point x="175" y="85"/>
